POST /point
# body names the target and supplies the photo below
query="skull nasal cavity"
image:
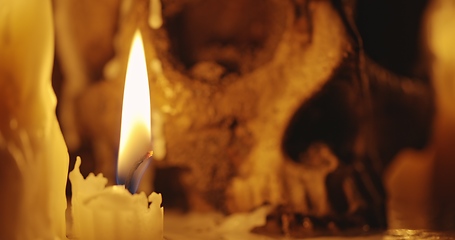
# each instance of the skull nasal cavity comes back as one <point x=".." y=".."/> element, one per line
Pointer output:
<point x="238" y="35"/>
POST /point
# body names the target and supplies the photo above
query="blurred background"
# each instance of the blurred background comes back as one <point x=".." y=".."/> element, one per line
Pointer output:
<point x="332" y="109"/>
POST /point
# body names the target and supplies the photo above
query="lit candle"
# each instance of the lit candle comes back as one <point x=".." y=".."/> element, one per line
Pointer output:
<point x="33" y="154"/>
<point x="101" y="212"/>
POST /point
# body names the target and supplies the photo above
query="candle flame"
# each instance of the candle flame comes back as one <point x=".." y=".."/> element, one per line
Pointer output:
<point x="135" y="131"/>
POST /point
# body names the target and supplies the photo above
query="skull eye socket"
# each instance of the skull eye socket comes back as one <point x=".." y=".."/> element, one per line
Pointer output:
<point x="331" y="116"/>
<point x="238" y="35"/>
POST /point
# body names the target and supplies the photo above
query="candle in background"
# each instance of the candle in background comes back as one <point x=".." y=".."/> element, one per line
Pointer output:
<point x="155" y="17"/>
<point x="101" y="212"/>
<point x="33" y="154"/>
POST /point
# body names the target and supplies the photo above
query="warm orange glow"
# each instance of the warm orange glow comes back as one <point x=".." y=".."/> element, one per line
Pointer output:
<point x="135" y="133"/>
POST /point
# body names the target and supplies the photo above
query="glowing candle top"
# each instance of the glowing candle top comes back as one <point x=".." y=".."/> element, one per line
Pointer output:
<point x="135" y="132"/>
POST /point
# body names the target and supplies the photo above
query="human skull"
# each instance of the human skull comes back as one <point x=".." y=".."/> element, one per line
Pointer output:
<point x="259" y="103"/>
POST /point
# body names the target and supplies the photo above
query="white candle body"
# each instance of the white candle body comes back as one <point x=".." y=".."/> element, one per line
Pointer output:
<point x="33" y="154"/>
<point x="101" y="212"/>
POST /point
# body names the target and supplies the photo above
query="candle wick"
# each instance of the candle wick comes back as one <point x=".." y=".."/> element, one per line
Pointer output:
<point x="129" y="183"/>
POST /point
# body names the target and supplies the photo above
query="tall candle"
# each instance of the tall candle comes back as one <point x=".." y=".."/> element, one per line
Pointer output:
<point x="33" y="154"/>
<point x="101" y="212"/>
